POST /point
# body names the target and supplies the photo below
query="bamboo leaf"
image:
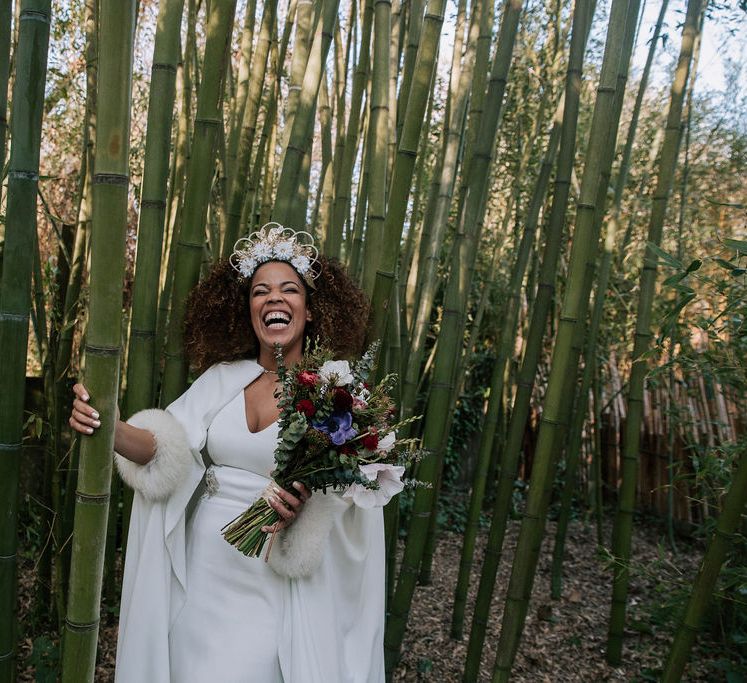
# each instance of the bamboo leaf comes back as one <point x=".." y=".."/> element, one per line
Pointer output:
<point x="728" y="265"/>
<point x="738" y="245"/>
<point x="664" y="256"/>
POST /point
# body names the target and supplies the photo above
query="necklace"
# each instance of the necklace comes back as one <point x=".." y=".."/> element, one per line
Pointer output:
<point x="269" y="372"/>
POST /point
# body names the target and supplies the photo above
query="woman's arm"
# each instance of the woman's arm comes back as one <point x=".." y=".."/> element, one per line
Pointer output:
<point x="137" y="445"/>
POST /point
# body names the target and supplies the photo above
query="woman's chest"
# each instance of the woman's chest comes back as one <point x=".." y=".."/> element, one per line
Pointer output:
<point x="231" y="443"/>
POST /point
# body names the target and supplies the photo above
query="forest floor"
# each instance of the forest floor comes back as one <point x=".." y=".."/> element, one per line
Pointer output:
<point x="563" y="640"/>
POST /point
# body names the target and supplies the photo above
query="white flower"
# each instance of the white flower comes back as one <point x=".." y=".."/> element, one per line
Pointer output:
<point x="301" y="263"/>
<point x="337" y="370"/>
<point x="283" y="250"/>
<point x="262" y="251"/>
<point x="389" y="478"/>
<point x="247" y="266"/>
<point x="386" y="443"/>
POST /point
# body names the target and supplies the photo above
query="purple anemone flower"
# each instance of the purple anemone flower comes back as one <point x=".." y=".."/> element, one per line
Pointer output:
<point x="338" y="426"/>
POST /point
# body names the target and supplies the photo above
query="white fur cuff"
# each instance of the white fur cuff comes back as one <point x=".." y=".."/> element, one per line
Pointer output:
<point x="299" y="549"/>
<point x="169" y="467"/>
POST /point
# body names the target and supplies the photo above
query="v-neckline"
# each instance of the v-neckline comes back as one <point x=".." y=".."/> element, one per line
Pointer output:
<point x="242" y="396"/>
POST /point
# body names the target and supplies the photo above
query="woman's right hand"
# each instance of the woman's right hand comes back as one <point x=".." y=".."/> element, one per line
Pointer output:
<point x="83" y="418"/>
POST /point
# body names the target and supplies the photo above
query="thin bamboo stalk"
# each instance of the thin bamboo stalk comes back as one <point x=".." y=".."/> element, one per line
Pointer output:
<point x="242" y="89"/>
<point x="507" y="339"/>
<point x="15" y="295"/>
<point x="622" y="531"/>
<point x="258" y="206"/>
<point x="103" y="342"/>
<point x="414" y="27"/>
<point x="141" y="357"/>
<point x="319" y="221"/>
<point x="574" y="439"/>
<point x="355" y="261"/>
<point x="582" y="18"/>
<point x="563" y="367"/>
<point x="287" y="204"/>
<point x="727" y="525"/>
<point x="6" y="16"/>
<point x="377" y="142"/>
<point x="191" y="240"/>
<point x="404" y="165"/>
<point x="306" y="25"/>
<point x="439" y="400"/>
<point x="249" y="127"/>
<point x="470" y="79"/>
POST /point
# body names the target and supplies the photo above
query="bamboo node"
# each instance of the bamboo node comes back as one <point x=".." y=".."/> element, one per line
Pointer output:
<point x="106" y="351"/>
<point x="153" y="204"/>
<point x="162" y="66"/>
<point x="16" y="174"/>
<point x="111" y="179"/>
<point x="81" y="628"/>
<point x="35" y="15"/>
<point x="91" y="499"/>
<point x="14" y="317"/>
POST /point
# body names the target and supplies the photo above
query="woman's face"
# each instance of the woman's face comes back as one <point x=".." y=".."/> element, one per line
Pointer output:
<point x="278" y="307"/>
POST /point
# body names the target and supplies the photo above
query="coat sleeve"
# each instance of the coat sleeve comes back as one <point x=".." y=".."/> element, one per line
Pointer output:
<point x="159" y="478"/>
<point x="180" y="432"/>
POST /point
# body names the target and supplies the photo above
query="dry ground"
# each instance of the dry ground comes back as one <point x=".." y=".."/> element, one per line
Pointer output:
<point x="563" y="640"/>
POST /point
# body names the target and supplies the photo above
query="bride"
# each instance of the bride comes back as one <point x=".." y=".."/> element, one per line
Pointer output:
<point x="194" y="608"/>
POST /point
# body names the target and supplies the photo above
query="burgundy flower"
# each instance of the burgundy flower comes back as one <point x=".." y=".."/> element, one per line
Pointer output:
<point x="370" y="441"/>
<point x="347" y="449"/>
<point x="306" y="407"/>
<point x="307" y="378"/>
<point x="342" y="400"/>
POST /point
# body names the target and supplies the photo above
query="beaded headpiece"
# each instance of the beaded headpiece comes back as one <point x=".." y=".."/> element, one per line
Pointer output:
<point x="273" y="242"/>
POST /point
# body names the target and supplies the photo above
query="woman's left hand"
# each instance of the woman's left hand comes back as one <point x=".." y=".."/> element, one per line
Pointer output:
<point x="286" y="505"/>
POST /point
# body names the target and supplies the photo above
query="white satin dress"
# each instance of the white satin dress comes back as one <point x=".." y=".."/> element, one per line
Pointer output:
<point x="194" y="608"/>
<point x="231" y="620"/>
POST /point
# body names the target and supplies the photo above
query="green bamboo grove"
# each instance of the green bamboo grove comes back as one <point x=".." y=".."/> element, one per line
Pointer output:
<point x="481" y="169"/>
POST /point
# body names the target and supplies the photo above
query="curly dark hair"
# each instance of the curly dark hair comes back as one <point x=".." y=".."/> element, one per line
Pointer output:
<point x="217" y="323"/>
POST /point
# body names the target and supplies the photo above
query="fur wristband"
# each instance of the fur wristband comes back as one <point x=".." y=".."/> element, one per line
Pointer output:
<point x="159" y="478"/>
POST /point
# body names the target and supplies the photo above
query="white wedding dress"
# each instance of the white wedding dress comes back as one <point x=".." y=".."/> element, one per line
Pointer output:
<point x="224" y="617"/>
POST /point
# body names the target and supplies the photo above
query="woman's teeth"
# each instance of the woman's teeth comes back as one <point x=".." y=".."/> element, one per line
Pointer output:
<point x="277" y="320"/>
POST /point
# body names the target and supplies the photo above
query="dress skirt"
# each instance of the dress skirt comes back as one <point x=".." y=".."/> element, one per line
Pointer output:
<point x="229" y="628"/>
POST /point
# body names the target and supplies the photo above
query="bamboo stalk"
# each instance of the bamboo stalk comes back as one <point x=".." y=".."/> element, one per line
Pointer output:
<point x="727" y="525"/>
<point x="563" y="368"/>
<point x="141" y="357"/>
<point x="288" y="205"/>
<point x="624" y="517"/>
<point x="6" y="16"/>
<point x="110" y="188"/>
<point x="248" y="127"/>
<point x="242" y="89"/>
<point x="15" y="295"/>
<point x="507" y="338"/>
<point x="377" y="142"/>
<point x="574" y="439"/>
<point x="354" y="126"/>
<point x="582" y="19"/>
<point x="469" y="80"/>
<point x="439" y="400"/>
<point x="404" y="165"/>
<point x="191" y="240"/>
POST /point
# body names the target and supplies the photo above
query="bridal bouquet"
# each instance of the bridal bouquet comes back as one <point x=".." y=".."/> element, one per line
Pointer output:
<point x="336" y="431"/>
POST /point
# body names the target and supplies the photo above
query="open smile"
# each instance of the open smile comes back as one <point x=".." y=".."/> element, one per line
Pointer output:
<point x="276" y="320"/>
